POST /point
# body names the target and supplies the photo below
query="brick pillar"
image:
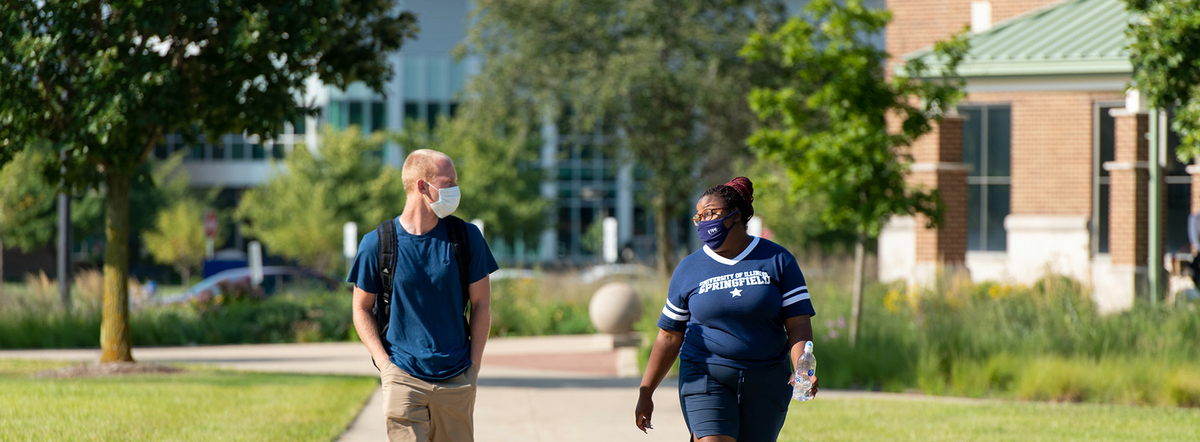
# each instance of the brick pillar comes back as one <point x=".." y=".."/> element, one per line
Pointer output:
<point x="1194" y="172"/>
<point x="937" y="164"/>
<point x="1129" y="195"/>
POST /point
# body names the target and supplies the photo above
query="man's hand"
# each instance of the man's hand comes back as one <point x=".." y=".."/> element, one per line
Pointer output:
<point x="381" y="361"/>
<point x="364" y="324"/>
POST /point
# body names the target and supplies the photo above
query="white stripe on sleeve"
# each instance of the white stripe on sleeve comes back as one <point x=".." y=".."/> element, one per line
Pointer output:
<point x="803" y="288"/>
<point x="668" y="313"/>
<point x="675" y="309"/>
<point x="795" y="299"/>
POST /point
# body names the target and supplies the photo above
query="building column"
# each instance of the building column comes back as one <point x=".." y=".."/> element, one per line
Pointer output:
<point x="1129" y="221"/>
<point x="548" y="242"/>
<point x="1194" y="171"/>
<point x="938" y="165"/>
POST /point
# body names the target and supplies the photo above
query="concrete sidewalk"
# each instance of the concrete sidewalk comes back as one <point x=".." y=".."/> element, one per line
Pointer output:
<point x="562" y="388"/>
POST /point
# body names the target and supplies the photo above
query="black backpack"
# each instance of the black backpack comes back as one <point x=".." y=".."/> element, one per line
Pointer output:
<point x="456" y="231"/>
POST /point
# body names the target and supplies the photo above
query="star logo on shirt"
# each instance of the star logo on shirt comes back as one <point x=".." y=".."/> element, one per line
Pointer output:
<point x="736" y="292"/>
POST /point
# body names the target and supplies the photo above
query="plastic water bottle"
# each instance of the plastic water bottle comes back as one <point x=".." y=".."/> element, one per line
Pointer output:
<point x="805" y="368"/>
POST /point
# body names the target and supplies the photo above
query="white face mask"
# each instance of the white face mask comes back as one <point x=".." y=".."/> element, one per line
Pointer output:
<point x="447" y="201"/>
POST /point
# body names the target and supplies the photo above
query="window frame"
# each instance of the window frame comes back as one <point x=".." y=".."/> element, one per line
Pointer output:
<point x="983" y="179"/>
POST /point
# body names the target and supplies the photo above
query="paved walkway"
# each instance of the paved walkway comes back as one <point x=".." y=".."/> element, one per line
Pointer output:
<point x="530" y="389"/>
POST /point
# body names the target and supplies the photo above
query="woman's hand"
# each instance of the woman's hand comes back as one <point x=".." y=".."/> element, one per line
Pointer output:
<point x="641" y="415"/>
<point x="812" y="391"/>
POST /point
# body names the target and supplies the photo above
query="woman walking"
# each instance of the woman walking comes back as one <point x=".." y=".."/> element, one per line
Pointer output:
<point x="735" y="311"/>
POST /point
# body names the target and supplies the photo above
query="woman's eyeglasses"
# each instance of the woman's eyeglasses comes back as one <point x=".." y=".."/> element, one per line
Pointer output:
<point x="707" y="215"/>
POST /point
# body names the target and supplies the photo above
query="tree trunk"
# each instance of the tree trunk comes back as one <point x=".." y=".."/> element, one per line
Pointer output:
<point x="186" y="274"/>
<point x="665" y="247"/>
<point x="115" y="340"/>
<point x="856" y="304"/>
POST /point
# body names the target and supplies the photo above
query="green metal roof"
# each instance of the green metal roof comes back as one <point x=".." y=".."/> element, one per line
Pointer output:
<point x="1073" y="37"/>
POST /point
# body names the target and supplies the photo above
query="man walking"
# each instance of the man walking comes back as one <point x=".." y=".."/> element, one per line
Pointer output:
<point x="427" y="350"/>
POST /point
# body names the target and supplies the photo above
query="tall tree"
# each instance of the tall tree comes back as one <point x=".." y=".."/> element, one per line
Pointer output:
<point x="26" y="203"/>
<point x="1165" y="52"/>
<point x="828" y="125"/>
<point x="662" y="78"/>
<point x="177" y="236"/>
<point x="106" y="79"/>
<point x="299" y="213"/>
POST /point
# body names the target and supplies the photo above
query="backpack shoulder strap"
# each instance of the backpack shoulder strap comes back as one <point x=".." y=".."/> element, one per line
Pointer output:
<point x="460" y="243"/>
<point x="387" y="273"/>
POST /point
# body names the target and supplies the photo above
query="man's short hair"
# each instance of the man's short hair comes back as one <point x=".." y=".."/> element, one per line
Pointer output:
<point x="421" y="164"/>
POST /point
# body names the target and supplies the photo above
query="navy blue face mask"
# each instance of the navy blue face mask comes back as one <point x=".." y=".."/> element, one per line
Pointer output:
<point x="713" y="232"/>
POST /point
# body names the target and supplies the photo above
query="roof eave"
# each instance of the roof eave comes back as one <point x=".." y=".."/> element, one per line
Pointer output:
<point x="1032" y="68"/>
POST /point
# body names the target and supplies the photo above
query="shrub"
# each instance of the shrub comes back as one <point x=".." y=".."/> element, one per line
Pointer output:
<point x="1039" y="342"/>
<point x="520" y="309"/>
<point x="239" y="319"/>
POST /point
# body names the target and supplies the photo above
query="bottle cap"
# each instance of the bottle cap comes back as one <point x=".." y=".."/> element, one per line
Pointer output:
<point x="808" y="347"/>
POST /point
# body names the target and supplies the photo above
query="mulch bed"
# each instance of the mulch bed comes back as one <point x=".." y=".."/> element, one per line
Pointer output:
<point x="107" y="370"/>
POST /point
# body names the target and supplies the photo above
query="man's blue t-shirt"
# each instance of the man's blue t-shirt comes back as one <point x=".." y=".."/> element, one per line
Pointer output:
<point x="732" y="310"/>
<point x="425" y="335"/>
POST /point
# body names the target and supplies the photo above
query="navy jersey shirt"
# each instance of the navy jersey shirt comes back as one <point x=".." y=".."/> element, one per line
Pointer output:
<point x="732" y="310"/>
<point x="425" y="335"/>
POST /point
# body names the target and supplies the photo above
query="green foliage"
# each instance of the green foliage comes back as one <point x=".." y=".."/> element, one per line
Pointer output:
<point x="196" y="405"/>
<point x="27" y="201"/>
<point x="106" y="80"/>
<point x="157" y="184"/>
<point x="645" y="74"/>
<point x="300" y="211"/>
<point x="177" y="238"/>
<point x="498" y="172"/>
<point x="1044" y="342"/>
<point x="231" y="320"/>
<point x="1165" y="51"/>
<point x="794" y="220"/>
<point x="519" y="309"/>
<point x="827" y="124"/>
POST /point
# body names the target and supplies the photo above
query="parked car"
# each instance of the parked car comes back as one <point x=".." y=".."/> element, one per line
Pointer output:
<point x="275" y="280"/>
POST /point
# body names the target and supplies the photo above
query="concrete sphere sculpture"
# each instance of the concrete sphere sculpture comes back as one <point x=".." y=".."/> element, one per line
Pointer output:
<point x="614" y="308"/>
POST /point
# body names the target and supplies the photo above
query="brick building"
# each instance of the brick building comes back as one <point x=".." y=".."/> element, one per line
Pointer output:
<point x="1049" y="151"/>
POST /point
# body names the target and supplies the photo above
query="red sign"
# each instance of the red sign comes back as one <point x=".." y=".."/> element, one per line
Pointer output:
<point x="210" y="224"/>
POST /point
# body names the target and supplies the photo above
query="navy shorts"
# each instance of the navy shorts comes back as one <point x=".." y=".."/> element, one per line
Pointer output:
<point x="749" y="405"/>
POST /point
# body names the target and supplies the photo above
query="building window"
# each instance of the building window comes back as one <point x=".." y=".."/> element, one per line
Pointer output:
<point x="1178" y="194"/>
<point x="378" y="116"/>
<point x="356" y="114"/>
<point x="337" y="115"/>
<point x="238" y="149"/>
<point x="412" y="110"/>
<point x="431" y="115"/>
<point x="218" y="152"/>
<point x="584" y="194"/>
<point x="987" y="137"/>
<point x="1105" y="152"/>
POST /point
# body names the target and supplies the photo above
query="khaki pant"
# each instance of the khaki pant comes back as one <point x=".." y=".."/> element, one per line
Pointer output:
<point x="423" y="411"/>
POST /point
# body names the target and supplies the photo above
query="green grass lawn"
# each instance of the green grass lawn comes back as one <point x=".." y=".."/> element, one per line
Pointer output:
<point x="198" y="404"/>
<point x="854" y="419"/>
